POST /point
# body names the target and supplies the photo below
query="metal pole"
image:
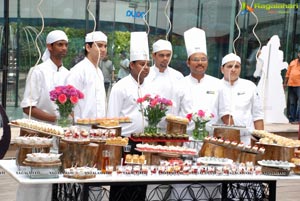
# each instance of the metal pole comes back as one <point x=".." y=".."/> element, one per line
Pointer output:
<point x="171" y="19"/>
<point x="86" y="17"/>
<point x="5" y="55"/>
<point x="17" y="56"/>
<point x="97" y="14"/>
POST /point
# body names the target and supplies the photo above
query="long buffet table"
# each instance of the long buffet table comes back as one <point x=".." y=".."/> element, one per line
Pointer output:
<point x="224" y="186"/>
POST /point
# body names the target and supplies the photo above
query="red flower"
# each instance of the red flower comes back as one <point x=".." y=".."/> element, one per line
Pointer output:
<point x="74" y="99"/>
<point x="140" y="100"/>
<point x="201" y="113"/>
<point x="62" y="98"/>
<point x="189" y="116"/>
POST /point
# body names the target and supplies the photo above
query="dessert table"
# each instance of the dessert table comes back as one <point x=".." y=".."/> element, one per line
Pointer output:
<point x="220" y="186"/>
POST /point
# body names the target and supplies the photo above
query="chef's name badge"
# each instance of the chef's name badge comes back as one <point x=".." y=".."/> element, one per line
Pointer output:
<point x="240" y="93"/>
<point x="210" y="92"/>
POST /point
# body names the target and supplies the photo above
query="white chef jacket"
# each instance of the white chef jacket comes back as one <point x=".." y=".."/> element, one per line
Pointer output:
<point x="165" y="84"/>
<point x="203" y="94"/>
<point x="89" y="80"/>
<point x="123" y="102"/>
<point x="200" y="95"/>
<point x="40" y="81"/>
<point x="243" y="102"/>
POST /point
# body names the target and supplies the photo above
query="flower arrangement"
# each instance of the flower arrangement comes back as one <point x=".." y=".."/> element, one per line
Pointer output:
<point x="154" y="110"/>
<point x="200" y="118"/>
<point x="65" y="98"/>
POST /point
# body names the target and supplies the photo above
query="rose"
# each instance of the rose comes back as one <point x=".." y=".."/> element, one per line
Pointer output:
<point x="62" y="98"/>
<point x="200" y="116"/>
<point x="65" y="98"/>
<point x="155" y="108"/>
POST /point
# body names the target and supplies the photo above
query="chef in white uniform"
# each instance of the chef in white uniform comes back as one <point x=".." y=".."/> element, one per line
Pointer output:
<point x="124" y="94"/>
<point x="239" y="101"/>
<point x="87" y="77"/>
<point x="45" y="77"/>
<point x="123" y="102"/>
<point x="40" y="81"/>
<point x="163" y="78"/>
<point x="200" y="90"/>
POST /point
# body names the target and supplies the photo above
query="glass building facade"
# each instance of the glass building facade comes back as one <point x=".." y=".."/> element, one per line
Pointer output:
<point x="230" y="25"/>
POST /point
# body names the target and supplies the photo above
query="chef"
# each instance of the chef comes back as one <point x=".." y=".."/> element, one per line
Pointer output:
<point x="239" y="102"/>
<point x="123" y="102"/>
<point x="124" y="94"/>
<point x="199" y="89"/>
<point x="87" y="77"/>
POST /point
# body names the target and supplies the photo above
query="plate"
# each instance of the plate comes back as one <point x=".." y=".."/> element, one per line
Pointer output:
<point x="165" y="151"/>
<point x="262" y="163"/>
<point x="229" y="127"/>
<point x="214" y="161"/>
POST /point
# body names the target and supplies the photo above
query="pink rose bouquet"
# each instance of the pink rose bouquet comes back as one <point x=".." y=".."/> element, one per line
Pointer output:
<point x="154" y="111"/>
<point x="65" y="98"/>
<point x="200" y="118"/>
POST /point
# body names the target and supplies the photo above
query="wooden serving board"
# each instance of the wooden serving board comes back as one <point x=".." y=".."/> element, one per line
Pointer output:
<point x="34" y="145"/>
<point x="76" y="141"/>
<point x="34" y="130"/>
<point x="41" y="164"/>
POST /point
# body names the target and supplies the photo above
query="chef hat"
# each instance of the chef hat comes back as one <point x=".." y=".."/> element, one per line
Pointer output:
<point x="95" y="36"/>
<point x="195" y="41"/>
<point x="139" y="49"/>
<point x="161" y="45"/>
<point x="231" y="57"/>
<point x="52" y="37"/>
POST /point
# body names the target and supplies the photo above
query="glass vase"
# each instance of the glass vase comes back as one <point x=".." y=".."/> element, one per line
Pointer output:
<point x="65" y="121"/>
<point x="200" y="132"/>
<point x="151" y="128"/>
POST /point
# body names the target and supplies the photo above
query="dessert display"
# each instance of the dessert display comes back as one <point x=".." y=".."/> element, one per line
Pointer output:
<point x="109" y="123"/>
<point x="104" y="121"/>
<point x="117" y="141"/>
<point x="272" y="139"/>
<point x="100" y="135"/>
<point x="33" y="141"/>
<point x="76" y="135"/>
<point x="134" y="159"/>
<point x="159" y="137"/>
<point x="165" y="149"/>
<point x="38" y="126"/>
<point x="42" y="157"/>
<point x="232" y="144"/>
<point x="81" y="172"/>
<point x="214" y="161"/>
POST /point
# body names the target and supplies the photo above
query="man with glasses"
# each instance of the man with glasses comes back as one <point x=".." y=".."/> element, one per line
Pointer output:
<point x="199" y="88"/>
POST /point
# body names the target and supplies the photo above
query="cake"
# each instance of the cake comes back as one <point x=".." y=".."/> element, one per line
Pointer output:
<point x="128" y="158"/>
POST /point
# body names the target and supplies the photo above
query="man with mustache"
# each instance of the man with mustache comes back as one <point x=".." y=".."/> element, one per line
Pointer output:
<point x="123" y="102"/>
<point x="199" y="90"/>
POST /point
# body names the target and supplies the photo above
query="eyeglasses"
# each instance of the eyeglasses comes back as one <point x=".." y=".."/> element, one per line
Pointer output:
<point x="197" y="59"/>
